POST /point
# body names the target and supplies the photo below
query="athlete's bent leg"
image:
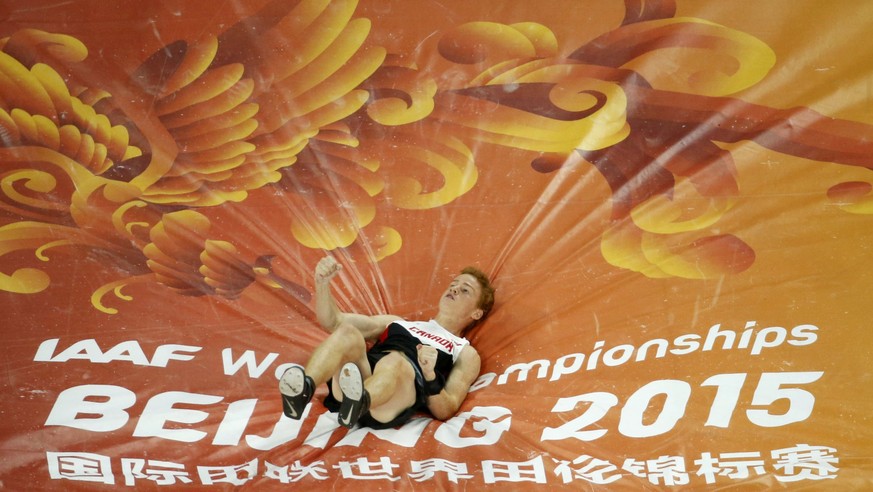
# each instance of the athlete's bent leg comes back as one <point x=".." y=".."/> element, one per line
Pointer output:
<point x="391" y="387"/>
<point x="345" y="344"/>
<point x="297" y="385"/>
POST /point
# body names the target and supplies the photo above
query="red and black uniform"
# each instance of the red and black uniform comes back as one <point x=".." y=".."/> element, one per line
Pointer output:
<point x="404" y="337"/>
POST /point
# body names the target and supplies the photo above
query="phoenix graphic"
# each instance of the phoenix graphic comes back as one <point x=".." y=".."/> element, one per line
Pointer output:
<point x="296" y="100"/>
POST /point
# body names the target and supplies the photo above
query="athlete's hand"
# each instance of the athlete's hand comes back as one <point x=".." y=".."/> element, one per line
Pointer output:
<point x="326" y="269"/>
<point x="427" y="357"/>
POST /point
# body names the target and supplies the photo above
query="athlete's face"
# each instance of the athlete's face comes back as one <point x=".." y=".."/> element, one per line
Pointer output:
<point x="462" y="297"/>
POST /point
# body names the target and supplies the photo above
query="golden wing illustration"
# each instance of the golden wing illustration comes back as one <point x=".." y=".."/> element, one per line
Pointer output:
<point x="295" y="101"/>
<point x="281" y="100"/>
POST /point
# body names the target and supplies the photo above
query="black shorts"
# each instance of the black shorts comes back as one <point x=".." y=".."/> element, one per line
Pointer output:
<point x="367" y="420"/>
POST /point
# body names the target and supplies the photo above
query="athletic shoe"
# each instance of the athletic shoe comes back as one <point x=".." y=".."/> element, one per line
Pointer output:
<point x="297" y="389"/>
<point x="356" y="400"/>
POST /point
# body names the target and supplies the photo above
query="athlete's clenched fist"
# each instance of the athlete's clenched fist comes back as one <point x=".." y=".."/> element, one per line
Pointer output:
<point x="427" y="357"/>
<point x="326" y="269"/>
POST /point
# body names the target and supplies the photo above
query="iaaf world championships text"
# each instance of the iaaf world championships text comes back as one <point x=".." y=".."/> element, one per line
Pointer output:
<point x="751" y="338"/>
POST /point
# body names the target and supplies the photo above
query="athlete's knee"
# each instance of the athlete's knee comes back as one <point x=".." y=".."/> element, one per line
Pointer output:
<point x="396" y="364"/>
<point x="348" y="334"/>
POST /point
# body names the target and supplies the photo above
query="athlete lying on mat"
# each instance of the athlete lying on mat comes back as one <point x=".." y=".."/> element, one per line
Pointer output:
<point x="412" y="366"/>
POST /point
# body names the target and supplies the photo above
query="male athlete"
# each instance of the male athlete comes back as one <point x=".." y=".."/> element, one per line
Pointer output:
<point x="412" y="366"/>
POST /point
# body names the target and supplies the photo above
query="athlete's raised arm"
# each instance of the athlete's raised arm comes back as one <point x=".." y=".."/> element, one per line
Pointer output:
<point x="327" y="313"/>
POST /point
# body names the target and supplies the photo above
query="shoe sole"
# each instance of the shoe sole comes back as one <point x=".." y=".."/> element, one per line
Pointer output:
<point x="296" y="391"/>
<point x="351" y="382"/>
<point x="292" y="382"/>
<point x="351" y="385"/>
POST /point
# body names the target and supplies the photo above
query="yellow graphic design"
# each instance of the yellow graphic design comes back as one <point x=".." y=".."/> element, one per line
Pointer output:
<point x="338" y="128"/>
